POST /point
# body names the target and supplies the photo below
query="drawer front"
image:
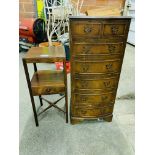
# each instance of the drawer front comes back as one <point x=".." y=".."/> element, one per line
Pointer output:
<point x="107" y="48"/>
<point x="106" y="84"/>
<point x="114" y="29"/>
<point x="98" y="100"/>
<point x="47" y="90"/>
<point x="92" y="112"/>
<point x="86" y="29"/>
<point x="107" y="66"/>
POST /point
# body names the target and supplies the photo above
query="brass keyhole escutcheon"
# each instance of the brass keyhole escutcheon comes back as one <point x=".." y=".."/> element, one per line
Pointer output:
<point x="84" y="84"/>
<point x="114" y="29"/>
<point x="86" y="49"/>
<point x="83" y="99"/>
<point x="83" y="111"/>
<point x="111" y="48"/>
<point x="85" y="68"/>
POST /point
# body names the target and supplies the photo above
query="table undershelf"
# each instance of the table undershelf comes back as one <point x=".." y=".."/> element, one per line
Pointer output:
<point x="46" y="82"/>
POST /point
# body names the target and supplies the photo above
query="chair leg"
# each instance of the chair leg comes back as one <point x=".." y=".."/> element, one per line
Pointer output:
<point x="41" y="102"/>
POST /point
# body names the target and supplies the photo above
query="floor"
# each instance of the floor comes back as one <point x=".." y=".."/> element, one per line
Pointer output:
<point x="55" y="137"/>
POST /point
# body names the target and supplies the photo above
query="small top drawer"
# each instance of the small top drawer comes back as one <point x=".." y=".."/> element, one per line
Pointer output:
<point x="114" y="29"/>
<point x="85" y="28"/>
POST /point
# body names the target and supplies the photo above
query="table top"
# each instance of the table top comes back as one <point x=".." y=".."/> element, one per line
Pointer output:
<point x="45" y="54"/>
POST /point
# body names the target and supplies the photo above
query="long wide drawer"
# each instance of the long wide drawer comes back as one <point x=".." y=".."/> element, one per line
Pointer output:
<point x="104" y="84"/>
<point x="106" y="66"/>
<point x="97" y="48"/>
<point x="92" y="112"/>
<point x="98" y="100"/>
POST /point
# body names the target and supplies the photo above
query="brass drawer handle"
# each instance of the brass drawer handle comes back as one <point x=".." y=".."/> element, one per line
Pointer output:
<point x="83" y="112"/>
<point x="48" y="90"/>
<point x="87" y="29"/>
<point x="109" y="66"/>
<point x="104" y="98"/>
<point x="114" y="29"/>
<point x="111" y="48"/>
<point x="107" y="84"/>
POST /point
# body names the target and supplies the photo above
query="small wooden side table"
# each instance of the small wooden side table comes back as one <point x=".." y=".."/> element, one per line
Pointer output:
<point x="46" y="82"/>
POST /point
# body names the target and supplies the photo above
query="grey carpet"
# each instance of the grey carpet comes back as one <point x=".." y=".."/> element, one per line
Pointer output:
<point x="55" y="137"/>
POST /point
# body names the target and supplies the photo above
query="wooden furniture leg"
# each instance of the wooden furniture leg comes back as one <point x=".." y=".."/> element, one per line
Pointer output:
<point x="30" y="91"/>
<point x="108" y="118"/>
<point x="66" y="94"/>
<point x="41" y="102"/>
<point x="76" y="120"/>
<point x="35" y="70"/>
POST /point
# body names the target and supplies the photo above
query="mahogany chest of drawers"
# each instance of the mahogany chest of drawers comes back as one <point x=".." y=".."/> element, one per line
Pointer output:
<point x="97" y="50"/>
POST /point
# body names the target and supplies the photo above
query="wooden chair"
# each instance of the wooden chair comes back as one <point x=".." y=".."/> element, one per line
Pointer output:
<point x="46" y="82"/>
